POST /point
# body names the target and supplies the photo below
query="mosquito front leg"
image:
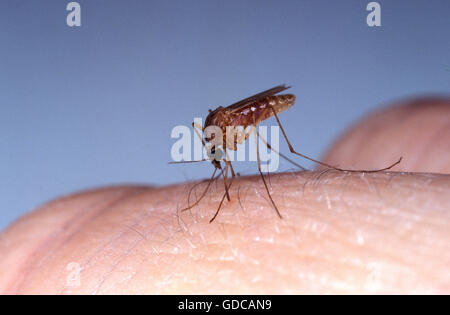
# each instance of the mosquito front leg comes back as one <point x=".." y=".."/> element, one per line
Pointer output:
<point x="291" y="148"/>
<point x="222" y="200"/>
<point x="199" y="183"/>
<point x="225" y="177"/>
<point x="227" y="188"/>
<point x="203" y="194"/>
<point x="228" y="164"/>
<point x="195" y="126"/>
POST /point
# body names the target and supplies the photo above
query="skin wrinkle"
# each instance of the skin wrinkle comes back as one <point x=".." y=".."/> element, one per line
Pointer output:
<point x="129" y="250"/>
<point x="89" y="261"/>
<point x="32" y="262"/>
<point x="129" y="194"/>
<point x="119" y="235"/>
<point x="115" y="265"/>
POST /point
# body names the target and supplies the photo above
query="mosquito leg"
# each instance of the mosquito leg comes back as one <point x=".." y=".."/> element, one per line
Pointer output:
<point x="218" y="209"/>
<point x="203" y="194"/>
<point x="224" y="174"/>
<point x="203" y="181"/>
<point x="195" y="126"/>
<point x="228" y="162"/>
<point x="221" y="201"/>
<point x="262" y="176"/>
<point x="231" y="166"/>
<point x="225" y="177"/>
<point x="233" y="174"/>
<point x="280" y="154"/>
<point x="227" y="188"/>
<point x="291" y="148"/>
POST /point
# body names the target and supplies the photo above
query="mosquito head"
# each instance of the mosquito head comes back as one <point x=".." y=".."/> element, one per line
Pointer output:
<point x="215" y="119"/>
<point x="214" y="153"/>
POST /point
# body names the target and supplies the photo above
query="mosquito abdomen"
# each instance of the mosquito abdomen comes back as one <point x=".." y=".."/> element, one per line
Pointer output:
<point x="262" y="109"/>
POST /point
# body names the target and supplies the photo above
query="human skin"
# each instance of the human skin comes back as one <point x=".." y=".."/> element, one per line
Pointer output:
<point x="341" y="232"/>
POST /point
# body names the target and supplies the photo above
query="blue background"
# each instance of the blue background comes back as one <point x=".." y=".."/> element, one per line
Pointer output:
<point x="94" y="105"/>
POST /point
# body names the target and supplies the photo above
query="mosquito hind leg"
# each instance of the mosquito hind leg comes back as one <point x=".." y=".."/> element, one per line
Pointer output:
<point x="262" y="175"/>
<point x="291" y="148"/>
<point x="279" y="153"/>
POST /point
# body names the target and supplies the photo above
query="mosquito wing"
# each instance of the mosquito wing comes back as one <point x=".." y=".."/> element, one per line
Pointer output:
<point x="236" y="106"/>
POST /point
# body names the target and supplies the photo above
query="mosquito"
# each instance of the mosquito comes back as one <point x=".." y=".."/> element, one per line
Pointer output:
<point x="248" y="113"/>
